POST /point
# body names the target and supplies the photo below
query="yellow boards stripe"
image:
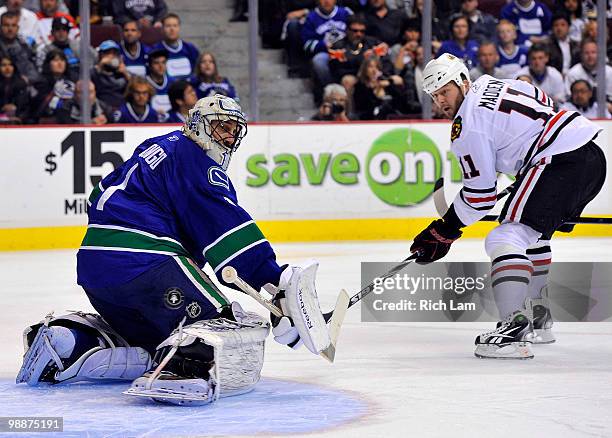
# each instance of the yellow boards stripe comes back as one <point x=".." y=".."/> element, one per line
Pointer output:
<point x="12" y="239"/>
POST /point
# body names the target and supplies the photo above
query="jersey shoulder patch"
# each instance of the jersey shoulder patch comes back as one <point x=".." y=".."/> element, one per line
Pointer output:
<point x="456" y="128"/>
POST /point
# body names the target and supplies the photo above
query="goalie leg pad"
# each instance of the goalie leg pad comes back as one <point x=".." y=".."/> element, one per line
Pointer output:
<point x="75" y="347"/>
<point x="206" y="360"/>
<point x="301" y="304"/>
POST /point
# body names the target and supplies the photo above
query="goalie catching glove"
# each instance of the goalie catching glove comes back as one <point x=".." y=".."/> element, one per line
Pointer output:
<point x="303" y="321"/>
<point x="434" y="242"/>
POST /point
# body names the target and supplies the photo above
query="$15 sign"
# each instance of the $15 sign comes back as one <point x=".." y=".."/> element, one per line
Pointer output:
<point x="75" y="141"/>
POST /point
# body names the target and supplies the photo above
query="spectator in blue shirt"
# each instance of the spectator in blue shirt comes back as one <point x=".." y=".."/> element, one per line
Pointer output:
<point x="459" y="44"/>
<point x="182" y="55"/>
<point x="137" y="106"/>
<point x="531" y="18"/>
<point x="207" y="81"/>
<point x="324" y="26"/>
<point x="133" y="52"/>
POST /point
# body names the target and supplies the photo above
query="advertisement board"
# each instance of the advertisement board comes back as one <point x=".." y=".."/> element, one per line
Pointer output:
<point x="301" y="181"/>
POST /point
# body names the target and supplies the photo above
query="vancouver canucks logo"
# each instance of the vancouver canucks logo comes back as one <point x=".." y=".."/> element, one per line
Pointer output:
<point x="195" y="119"/>
<point x="456" y="128"/>
<point x="217" y="177"/>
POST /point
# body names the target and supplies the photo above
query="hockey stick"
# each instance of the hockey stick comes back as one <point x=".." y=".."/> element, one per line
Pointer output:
<point x="370" y="287"/>
<point x="230" y="275"/>
<point x="442" y="207"/>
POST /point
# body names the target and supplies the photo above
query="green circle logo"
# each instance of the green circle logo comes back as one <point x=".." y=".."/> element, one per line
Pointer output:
<point x="402" y="166"/>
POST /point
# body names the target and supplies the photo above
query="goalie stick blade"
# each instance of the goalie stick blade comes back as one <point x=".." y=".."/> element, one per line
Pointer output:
<point x="439" y="198"/>
<point x="342" y="305"/>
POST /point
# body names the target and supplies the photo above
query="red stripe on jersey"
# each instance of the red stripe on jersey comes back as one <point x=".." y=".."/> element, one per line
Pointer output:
<point x="550" y="125"/>
<point x="541" y="262"/>
<point x="513" y="267"/>
<point x="533" y="171"/>
<point x="543" y="97"/>
<point x="477" y="200"/>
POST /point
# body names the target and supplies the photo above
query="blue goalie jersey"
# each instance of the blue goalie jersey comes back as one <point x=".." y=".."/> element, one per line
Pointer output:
<point x="170" y="199"/>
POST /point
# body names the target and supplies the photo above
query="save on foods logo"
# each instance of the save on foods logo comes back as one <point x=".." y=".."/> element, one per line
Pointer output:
<point x="400" y="168"/>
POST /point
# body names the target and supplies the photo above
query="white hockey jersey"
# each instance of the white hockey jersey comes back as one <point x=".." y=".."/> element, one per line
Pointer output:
<point x="507" y="126"/>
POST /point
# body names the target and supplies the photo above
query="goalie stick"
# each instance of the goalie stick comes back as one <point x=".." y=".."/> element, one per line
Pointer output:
<point x="230" y="275"/>
<point x="442" y="207"/>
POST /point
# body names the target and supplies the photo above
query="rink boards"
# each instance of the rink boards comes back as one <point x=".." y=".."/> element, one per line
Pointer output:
<point x="301" y="181"/>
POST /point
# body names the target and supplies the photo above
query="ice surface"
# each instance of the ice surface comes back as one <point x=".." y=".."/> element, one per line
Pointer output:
<point x="389" y="379"/>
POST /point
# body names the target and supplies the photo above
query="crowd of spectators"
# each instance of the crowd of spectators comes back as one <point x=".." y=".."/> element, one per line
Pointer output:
<point x="131" y="82"/>
<point x="373" y="49"/>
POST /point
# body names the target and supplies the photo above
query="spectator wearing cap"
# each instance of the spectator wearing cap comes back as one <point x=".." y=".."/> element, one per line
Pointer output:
<point x="49" y="11"/>
<point x="146" y="13"/>
<point x="546" y="78"/>
<point x="137" y="106"/>
<point x="133" y="52"/>
<point x="587" y="70"/>
<point x="182" y="55"/>
<point x="182" y="98"/>
<point x="207" y="81"/>
<point x="531" y="18"/>
<point x="482" y="25"/>
<point x="159" y="80"/>
<point x="13" y="45"/>
<point x="511" y="56"/>
<point x="110" y="75"/>
<point x="487" y="62"/>
<point x="581" y="100"/>
<point x="70" y="112"/>
<point x="460" y="45"/>
<point x="564" y="52"/>
<point x="14" y="96"/>
<point x="383" y="23"/>
<point x="27" y="20"/>
<point x="60" y="40"/>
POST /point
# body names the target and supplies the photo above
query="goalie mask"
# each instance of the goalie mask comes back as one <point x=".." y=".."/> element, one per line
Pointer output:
<point x="217" y="125"/>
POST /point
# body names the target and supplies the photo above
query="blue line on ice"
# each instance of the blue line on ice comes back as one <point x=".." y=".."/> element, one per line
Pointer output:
<point x="273" y="407"/>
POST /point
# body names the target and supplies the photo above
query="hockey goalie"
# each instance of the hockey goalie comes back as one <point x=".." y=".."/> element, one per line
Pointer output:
<point x="512" y="127"/>
<point x="162" y="323"/>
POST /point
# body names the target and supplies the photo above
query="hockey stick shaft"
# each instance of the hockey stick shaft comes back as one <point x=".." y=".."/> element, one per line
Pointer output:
<point x="370" y="287"/>
<point x="230" y="275"/>
<point x="442" y="207"/>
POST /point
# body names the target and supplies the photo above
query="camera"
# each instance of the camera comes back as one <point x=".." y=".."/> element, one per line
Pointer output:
<point x="337" y="108"/>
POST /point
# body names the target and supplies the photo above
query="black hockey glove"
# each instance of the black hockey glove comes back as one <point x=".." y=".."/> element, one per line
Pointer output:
<point x="434" y="242"/>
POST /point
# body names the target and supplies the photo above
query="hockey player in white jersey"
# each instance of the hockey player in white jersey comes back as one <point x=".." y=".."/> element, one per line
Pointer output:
<point x="512" y="127"/>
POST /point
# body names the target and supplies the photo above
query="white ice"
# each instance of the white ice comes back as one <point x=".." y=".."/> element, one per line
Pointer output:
<point x="389" y="379"/>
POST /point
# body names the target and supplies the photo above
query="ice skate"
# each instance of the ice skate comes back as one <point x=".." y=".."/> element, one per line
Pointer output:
<point x="541" y="319"/>
<point x="510" y="340"/>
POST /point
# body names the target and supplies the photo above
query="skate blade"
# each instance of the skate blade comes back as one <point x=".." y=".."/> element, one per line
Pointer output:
<point x="166" y="396"/>
<point x="513" y="350"/>
<point x="543" y="336"/>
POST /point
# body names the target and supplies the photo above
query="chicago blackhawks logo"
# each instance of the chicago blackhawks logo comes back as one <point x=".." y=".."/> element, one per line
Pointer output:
<point x="456" y="129"/>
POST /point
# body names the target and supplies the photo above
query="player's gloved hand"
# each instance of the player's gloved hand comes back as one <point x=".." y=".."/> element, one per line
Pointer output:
<point x="434" y="242"/>
<point x="283" y="329"/>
